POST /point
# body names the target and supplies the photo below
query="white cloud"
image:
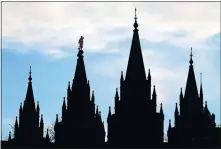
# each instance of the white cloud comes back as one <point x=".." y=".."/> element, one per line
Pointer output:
<point x="57" y="24"/>
<point x="56" y="53"/>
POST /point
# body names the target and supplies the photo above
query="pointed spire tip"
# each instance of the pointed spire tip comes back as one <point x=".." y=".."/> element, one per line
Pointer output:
<point x="30" y="78"/>
<point x="191" y="55"/>
<point x="135" y="23"/>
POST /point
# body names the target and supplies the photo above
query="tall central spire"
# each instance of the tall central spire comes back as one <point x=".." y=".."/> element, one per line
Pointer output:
<point x="135" y="67"/>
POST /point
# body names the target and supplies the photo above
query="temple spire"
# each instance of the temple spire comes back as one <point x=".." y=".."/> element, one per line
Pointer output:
<point x="10" y="136"/>
<point x="149" y="76"/>
<point x="135" y="68"/>
<point x="154" y="92"/>
<point x="80" y="77"/>
<point x="181" y="94"/>
<point x="116" y="94"/>
<point x="29" y="99"/>
<point x="191" y="92"/>
<point x="161" y="109"/>
<point x="169" y="127"/>
<point x="201" y="86"/>
<point x="109" y="113"/>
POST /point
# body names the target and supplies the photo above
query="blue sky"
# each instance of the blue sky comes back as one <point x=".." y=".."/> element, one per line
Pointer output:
<point x="45" y="36"/>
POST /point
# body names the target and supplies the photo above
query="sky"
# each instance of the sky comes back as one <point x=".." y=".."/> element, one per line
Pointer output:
<point x="45" y="35"/>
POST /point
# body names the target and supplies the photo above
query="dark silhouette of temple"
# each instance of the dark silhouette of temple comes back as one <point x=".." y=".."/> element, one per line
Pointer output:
<point x="80" y="124"/>
<point x="135" y="121"/>
<point x="193" y="123"/>
<point x="29" y="129"/>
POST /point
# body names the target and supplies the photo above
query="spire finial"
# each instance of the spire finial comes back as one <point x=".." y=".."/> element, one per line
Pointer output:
<point x="135" y="23"/>
<point x="30" y="78"/>
<point x="191" y="55"/>
<point x="201" y="78"/>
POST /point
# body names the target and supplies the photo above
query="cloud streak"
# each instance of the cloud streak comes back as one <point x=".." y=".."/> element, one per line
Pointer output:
<point x="59" y="24"/>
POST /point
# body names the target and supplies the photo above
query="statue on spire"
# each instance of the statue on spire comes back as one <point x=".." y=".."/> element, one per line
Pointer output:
<point x="80" y="42"/>
<point x="80" y="48"/>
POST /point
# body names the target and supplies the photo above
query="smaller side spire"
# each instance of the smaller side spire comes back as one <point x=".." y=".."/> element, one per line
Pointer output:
<point x="88" y="82"/>
<point x="38" y="107"/>
<point x="117" y="95"/>
<point x="181" y="94"/>
<point x="41" y="121"/>
<point x="69" y="87"/>
<point x="176" y="114"/>
<point x="154" y="98"/>
<point x="109" y="113"/>
<point x="20" y="113"/>
<point x="169" y="128"/>
<point x="9" y="136"/>
<point x="64" y="103"/>
<point x="97" y="111"/>
<point x="149" y="76"/>
<point x="20" y="106"/>
<point x="213" y="117"/>
<point x="154" y="92"/>
<point x="206" y="110"/>
<point x="206" y="105"/>
<point x="116" y="100"/>
<point x="47" y="137"/>
<point x="92" y="97"/>
<point x="201" y="86"/>
<point x="16" y="122"/>
<point x="161" y="109"/>
<point x="41" y="126"/>
<point x="16" y="128"/>
<point x="56" y="122"/>
<point x="121" y="78"/>
<point x="64" y="108"/>
<point x="176" y="109"/>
